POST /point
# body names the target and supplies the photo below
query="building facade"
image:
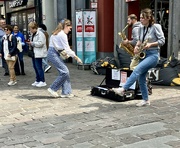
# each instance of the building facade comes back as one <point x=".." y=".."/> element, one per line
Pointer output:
<point x="21" y="12"/>
<point x="166" y="13"/>
<point x="111" y="18"/>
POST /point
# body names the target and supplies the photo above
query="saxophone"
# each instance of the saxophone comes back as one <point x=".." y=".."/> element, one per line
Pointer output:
<point x="128" y="47"/>
<point x="141" y="54"/>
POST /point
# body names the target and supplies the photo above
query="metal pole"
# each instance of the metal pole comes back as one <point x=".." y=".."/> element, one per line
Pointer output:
<point x="38" y="10"/>
<point x="55" y="12"/>
<point x="73" y="16"/>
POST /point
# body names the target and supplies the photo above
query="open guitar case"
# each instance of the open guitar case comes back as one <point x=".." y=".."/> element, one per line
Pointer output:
<point x="114" y="78"/>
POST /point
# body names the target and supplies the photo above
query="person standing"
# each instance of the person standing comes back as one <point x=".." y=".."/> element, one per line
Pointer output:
<point x="151" y="34"/>
<point x="46" y="66"/>
<point x="58" y="42"/>
<point x="9" y="52"/>
<point x="19" y="66"/>
<point x="132" y="22"/>
<point x="37" y="44"/>
<point x="2" y="33"/>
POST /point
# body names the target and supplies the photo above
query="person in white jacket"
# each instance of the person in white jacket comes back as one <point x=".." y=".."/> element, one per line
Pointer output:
<point x="59" y="43"/>
<point x="38" y="44"/>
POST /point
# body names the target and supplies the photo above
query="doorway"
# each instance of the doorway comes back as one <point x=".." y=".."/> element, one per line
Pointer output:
<point x="161" y="14"/>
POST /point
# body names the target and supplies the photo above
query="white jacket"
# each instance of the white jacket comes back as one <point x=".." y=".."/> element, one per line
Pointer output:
<point x="39" y="45"/>
<point x="61" y="42"/>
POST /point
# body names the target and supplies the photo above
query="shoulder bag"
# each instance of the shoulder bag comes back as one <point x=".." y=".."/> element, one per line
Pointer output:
<point x="61" y="52"/>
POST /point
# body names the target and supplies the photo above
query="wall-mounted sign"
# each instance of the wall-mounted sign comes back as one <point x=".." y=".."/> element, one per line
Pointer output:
<point x="17" y="3"/>
<point x="86" y="35"/>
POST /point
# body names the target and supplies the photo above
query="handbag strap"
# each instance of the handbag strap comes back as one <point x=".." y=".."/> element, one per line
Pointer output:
<point x="56" y="47"/>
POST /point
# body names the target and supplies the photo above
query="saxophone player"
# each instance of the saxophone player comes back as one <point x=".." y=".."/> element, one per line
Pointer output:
<point x="132" y="22"/>
<point x="153" y="32"/>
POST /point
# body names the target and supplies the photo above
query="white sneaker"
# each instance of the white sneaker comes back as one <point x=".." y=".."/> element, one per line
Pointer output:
<point x="67" y="96"/>
<point x="11" y="83"/>
<point x="143" y="103"/>
<point x="41" y="84"/>
<point x="53" y="93"/>
<point x="47" y="69"/>
<point x="118" y="91"/>
<point x="35" y="83"/>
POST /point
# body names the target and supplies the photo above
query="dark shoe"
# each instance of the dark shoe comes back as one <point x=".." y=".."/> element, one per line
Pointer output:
<point x="17" y="73"/>
<point x="23" y="73"/>
<point x="6" y="74"/>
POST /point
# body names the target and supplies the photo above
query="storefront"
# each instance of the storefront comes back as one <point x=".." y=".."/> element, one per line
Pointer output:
<point x="21" y="12"/>
<point x="166" y="13"/>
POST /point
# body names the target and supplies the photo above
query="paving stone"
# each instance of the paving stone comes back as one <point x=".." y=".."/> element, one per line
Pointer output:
<point x="99" y="146"/>
<point x="86" y="138"/>
<point x="49" y="138"/>
<point x="152" y="143"/>
<point x="174" y="144"/>
<point x="67" y="143"/>
<point x="30" y="117"/>
<point x="33" y="144"/>
<point x="141" y="129"/>
<point x="83" y="145"/>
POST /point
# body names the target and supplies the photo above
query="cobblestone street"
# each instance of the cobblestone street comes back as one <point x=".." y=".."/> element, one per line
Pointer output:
<point x="30" y="117"/>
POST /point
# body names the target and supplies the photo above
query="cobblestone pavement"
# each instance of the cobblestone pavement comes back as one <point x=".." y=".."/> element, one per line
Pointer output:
<point x="30" y="117"/>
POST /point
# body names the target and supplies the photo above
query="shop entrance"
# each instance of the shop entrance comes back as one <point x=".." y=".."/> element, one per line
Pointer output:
<point x="161" y="14"/>
<point x="22" y="19"/>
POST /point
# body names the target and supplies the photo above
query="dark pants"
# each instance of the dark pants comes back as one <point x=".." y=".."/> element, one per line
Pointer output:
<point x="37" y="65"/>
<point x="19" y="66"/>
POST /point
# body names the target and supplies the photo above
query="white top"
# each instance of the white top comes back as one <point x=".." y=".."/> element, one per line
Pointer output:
<point x="61" y="42"/>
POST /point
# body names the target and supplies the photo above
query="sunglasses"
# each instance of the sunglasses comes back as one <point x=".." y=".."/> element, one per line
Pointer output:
<point x="6" y="29"/>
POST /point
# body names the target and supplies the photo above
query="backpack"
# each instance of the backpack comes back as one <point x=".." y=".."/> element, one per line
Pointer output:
<point x="167" y="72"/>
<point x="100" y="65"/>
<point x="19" y="45"/>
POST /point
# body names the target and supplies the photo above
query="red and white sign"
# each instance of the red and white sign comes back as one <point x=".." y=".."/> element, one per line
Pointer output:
<point x="89" y="28"/>
<point x="79" y="23"/>
<point x="89" y="24"/>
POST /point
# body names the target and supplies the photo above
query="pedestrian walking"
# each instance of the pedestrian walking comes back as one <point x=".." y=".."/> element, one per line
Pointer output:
<point x="58" y="44"/>
<point x="38" y="47"/>
<point x="9" y="52"/>
<point x="151" y="37"/>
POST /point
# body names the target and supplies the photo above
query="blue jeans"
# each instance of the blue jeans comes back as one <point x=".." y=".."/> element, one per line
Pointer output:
<point x="45" y="63"/>
<point x="37" y="65"/>
<point x="63" y="79"/>
<point x="141" y="70"/>
<point x="20" y="55"/>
